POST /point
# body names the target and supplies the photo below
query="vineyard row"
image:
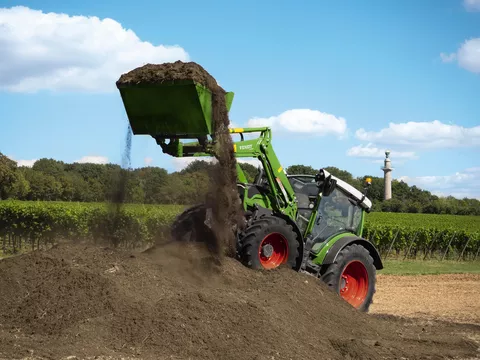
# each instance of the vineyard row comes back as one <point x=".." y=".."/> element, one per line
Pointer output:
<point x="35" y="223"/>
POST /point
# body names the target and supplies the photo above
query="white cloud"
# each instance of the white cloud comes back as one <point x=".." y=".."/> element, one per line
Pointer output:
<point x="461" y="184"/>
<point x="26" y="163"/>
<point x="467" y="56"/>
<point x="304" y="121"/>
<point x="147" y="160"/>
<point x="93" y="160"/>
<point x="60" y="52"/>
<point x="472" y="5"/>
<point x="433" y="134"/>
<point x="448" y="57"/>
<point x="371" y="151"/>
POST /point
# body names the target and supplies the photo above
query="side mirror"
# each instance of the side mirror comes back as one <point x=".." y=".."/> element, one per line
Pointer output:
<point x="329" y="185"/>
<point x="320" y="177"/>
<point x="325" y="182"/>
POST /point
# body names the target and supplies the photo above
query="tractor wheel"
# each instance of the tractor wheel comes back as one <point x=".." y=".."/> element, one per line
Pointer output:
<point x="268" y="243"/>
<point x="353" y="276"/>
<point x="190" y="226"/>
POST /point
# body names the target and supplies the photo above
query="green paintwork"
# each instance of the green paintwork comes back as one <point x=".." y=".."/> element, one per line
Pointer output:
<point x="362" y="224"/>
<point x="282" y="198"/>
<point x="183" y="110"/>
<point x="313" y="216"/>
<point x="321" y="249"/>
<point x="180" y="108"/>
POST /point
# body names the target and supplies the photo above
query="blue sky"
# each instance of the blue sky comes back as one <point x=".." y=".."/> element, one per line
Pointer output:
<point x="338" y="81"/>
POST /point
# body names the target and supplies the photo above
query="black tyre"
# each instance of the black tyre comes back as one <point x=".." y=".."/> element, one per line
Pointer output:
<point x="268" y="243"/>
<point x="353" y="276"/>
<point x="190" y="226"/>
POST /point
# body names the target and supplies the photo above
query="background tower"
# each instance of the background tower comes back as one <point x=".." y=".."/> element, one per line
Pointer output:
<point x="387" y="176"/>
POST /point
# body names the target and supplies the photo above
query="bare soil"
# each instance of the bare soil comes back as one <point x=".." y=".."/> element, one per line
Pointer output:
<point x="447" y="297"/>
<point x="172" y="302"/>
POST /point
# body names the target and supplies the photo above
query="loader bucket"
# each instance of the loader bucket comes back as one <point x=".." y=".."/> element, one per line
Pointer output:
<point x="180" y="109"/>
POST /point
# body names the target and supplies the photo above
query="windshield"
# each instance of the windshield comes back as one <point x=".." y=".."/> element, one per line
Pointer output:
<point x="336" y="214"/>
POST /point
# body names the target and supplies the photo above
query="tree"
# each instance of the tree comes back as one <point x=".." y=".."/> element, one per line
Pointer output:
<point x="42" y="186"/>
<point x="49" y="180"/>
<point x="250" y="171"/>
<point x="341" y="174"/>
<point x="301" y="170"/>
<point x="7" y="176"/>
<point x="50" y="167"/>
<point x="21" y="187"/>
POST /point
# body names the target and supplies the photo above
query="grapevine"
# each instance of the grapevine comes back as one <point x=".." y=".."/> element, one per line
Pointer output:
<point x="32" y="224"/>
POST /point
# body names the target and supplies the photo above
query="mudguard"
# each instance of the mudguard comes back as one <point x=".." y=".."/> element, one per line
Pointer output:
<point x="341" y="243"/>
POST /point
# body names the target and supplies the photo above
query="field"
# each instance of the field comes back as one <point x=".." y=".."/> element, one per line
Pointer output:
<point x="424" y="235"/>
<point x="417" y="297"/>
<point x="84" y="301"/>
<point x="399" y="236"/>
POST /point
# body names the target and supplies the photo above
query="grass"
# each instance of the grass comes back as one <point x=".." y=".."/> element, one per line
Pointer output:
<point x="429" y="267"/>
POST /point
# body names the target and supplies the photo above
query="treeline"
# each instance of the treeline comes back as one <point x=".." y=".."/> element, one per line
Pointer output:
<point x="52" y="180"/>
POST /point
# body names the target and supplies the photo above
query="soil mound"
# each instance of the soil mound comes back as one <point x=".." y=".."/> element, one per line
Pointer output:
<point x="157" y="73"/>
<point x="171" y="303"/>
<point x="222" y="201"/>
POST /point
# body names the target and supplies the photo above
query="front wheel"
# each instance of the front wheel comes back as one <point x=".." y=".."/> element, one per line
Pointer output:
<point x="353" y="276"/>
<point x="268" y="243"/>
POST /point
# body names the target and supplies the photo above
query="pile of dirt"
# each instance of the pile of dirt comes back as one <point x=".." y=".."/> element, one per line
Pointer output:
<point x="222" y="198"/>
<point x="82" y="301"/>
<point x="153" y="74"/>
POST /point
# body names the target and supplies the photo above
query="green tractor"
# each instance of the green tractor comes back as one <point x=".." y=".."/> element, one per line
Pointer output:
<point x="313" y="224"/>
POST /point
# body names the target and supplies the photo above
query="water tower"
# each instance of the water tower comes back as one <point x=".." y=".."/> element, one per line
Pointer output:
<point x="387" y="176"/>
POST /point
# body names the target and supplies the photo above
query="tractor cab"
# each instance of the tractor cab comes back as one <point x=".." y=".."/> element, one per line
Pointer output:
<point x="336" y="206"/>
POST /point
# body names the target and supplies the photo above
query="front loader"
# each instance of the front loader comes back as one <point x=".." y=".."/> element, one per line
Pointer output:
<point x="313" y="224"/>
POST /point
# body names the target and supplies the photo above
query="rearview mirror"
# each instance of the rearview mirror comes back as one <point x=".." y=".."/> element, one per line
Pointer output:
<point x="329" y="185"/>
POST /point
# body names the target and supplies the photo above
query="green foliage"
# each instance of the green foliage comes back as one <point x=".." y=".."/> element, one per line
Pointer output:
<point x="7" y="176"/>
<point x="43" y="222"/>
<point x="423" y="234"/>
<point x="430" y="267"/>
<point x="52" y="180"/>
<point x="250" y="171"/>
<point x="136" y="224"/>
<point x="301" y="170"/>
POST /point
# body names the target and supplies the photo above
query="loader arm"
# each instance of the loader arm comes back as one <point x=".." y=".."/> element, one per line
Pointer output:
<point x="282" y="194"/>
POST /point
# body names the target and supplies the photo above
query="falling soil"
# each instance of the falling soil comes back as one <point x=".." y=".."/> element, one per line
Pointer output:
<point x="120" y="190"/>
<point x="83" y="301"/>
<point x="222" y="202"/>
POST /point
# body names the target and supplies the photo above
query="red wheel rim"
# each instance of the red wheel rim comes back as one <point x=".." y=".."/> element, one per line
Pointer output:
<point x="273" y="251"/>
<point x="354" y="283"/>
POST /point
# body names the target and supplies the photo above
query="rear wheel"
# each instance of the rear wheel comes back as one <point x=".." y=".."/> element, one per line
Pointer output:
<point x="268" y="243"/>
<point x="352" y="276"/>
